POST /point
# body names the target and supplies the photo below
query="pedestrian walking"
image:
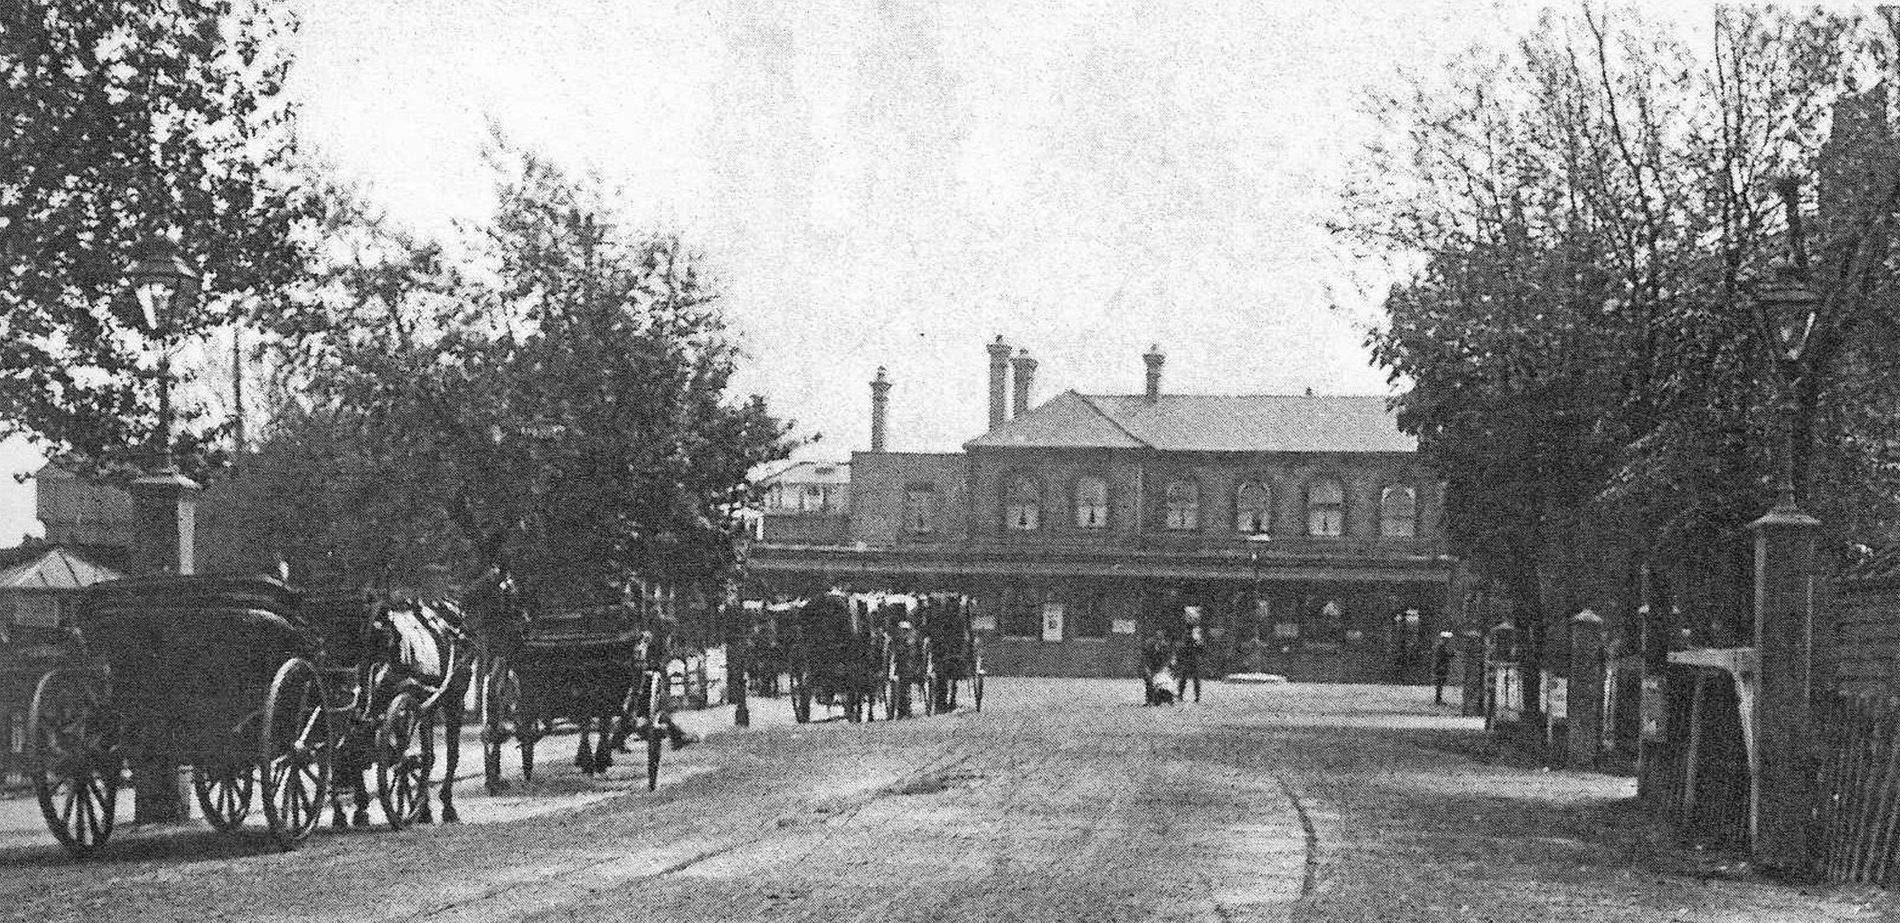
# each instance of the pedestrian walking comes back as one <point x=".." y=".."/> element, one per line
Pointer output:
<point x="1187" y="658"/>
<point x="1442" y="651"/>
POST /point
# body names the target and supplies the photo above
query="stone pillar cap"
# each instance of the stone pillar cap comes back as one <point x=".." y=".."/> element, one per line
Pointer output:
<point x="170" y="478"/>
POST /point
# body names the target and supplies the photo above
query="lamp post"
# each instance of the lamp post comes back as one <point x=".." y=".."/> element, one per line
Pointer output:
<point x="164" y="501"/>
<point x="1787" y="310"/>
<point x="1257" y="542"/>
<point x="163" y="283"/>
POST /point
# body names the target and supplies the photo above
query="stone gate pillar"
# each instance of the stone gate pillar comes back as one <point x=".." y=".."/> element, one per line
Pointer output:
<point x="1585" y="689"/>
<point x="1783" y="800"/>
<point x="164" y="527"/>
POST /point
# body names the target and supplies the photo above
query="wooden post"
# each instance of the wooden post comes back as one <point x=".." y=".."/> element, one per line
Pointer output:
<point x="164" y="507"/>
<point x="1784" y="618"/>
<point x="1471" y="658"/>
<point x="1585" y="689"/>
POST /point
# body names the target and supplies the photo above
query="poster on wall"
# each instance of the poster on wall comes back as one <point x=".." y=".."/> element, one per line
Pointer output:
<point x="983" y="622"/>
<point x="1122" y="626"/>
<point x="1052" y="621"/>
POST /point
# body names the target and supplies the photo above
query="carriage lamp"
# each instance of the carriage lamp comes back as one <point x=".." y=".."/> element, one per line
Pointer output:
<point x="163" y="284"/>
<point x="1786" y="310"/>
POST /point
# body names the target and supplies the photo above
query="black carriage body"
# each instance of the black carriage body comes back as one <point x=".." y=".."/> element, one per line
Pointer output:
<point x="836" y="649"/>
<point x="190" y="659"/>
<point x="576" y="665"/>
<point x="946" y="624"/>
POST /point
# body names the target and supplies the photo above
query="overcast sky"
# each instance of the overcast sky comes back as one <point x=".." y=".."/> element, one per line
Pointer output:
<point x="894" y="182"/>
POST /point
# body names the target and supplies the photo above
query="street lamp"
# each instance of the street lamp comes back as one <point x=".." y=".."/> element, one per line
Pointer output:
<point x="1786" y="309"/>
<point x="1256" y="542"/>
<point x="163" y="284"/>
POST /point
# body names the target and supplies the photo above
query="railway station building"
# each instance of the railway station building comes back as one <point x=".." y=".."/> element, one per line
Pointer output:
<point x="1302" y="531"/>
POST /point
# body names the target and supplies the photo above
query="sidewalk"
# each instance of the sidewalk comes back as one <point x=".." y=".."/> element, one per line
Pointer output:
<point x="1420" y="818"/>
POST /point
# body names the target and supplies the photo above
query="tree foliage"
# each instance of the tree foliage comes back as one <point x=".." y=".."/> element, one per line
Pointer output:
<point x="1587" y="216"/>
<point x="561" y="403"/>
<point x="120" y="123"/>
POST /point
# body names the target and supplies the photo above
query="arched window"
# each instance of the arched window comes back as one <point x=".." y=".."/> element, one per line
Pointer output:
<point x="1091" y="502"/>
<point x="1325" y="508"/>
<point x="1184" y="506"/>
<point x="1252" y="508"/>
<point x="1022" y="505"/>
<point x="1398" y="512"/>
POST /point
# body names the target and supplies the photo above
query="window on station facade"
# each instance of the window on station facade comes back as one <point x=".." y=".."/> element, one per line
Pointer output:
<point x="1091" y="502"/>
<point x="1092" y="621"/>
<point x="1325" y="508"/>
<point x="1398" y="512"/>
<point x="1184" y="506"/>
<point x="920" y="509"/>
<point x="1022" y="504"/>
<point x="1252" y="508"/>
<point x="1022" y="614"/>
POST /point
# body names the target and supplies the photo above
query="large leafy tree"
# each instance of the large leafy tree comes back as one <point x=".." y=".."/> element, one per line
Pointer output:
<point x="1588" y="213"/>
<point x="561" y="403"/>
<point x="121" y="123"/>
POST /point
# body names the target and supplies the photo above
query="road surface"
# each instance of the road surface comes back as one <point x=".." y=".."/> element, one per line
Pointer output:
<point x="1063" y="800"/>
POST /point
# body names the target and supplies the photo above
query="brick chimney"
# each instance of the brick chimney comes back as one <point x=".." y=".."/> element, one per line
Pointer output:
<point x="880" y="408"/>
<point x="1024" y="368"/>
<point x="1154" y="357"/>
<point x="999" y="382"/>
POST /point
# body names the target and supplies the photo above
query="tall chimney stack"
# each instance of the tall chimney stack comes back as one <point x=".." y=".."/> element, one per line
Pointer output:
<point x="1024" y="368"/>
<point x="880" y="408"/>
<point x="999" y="382"/>
<point x="1154" y="357"/>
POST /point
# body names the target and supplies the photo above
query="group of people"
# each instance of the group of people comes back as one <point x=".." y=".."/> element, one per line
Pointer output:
<point x="1170" y="662"/>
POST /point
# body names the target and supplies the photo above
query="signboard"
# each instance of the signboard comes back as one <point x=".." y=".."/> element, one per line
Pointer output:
<point x="1122" y="626"/>
<point x="983" y="622"/>
<point x="1052" y="621"/>
<point x="1557" y="697"/>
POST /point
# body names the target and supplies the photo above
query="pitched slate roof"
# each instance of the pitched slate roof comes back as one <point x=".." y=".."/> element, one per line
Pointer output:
<point x="1069" y="421"/>
<point x="53" y="568"/>
<point x="1206" y="423"/>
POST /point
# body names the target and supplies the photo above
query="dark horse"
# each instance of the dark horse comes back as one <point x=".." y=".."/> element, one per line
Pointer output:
<point x="420" y="647"/>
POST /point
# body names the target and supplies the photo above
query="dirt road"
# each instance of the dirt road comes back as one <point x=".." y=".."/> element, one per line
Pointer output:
<point x="1061" y="801"/>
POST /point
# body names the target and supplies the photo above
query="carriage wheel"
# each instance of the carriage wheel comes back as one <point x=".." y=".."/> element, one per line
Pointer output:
<point x="75" y="772"/>
<point x="295" y="752"/>
<point x="402" y="763"/>
<point x="224" y="794"/>
<point x="501" y="711"/>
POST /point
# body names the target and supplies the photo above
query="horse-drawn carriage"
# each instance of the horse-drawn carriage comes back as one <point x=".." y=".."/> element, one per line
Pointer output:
<point x="834" y="656"/>
<point x="951" y="659"/>
<point x="581" y="671"/>
<point x="251" y="684"/>
<point x="929" y="653"/>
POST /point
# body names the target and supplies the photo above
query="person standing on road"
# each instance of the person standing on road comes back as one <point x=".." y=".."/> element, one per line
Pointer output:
<point x="1441" y="666"/>
<point x="1155" y="654"/>
<point x="1187" y="659"/>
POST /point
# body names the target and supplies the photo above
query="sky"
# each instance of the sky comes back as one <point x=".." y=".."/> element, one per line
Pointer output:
<point x="896" y="182"/>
